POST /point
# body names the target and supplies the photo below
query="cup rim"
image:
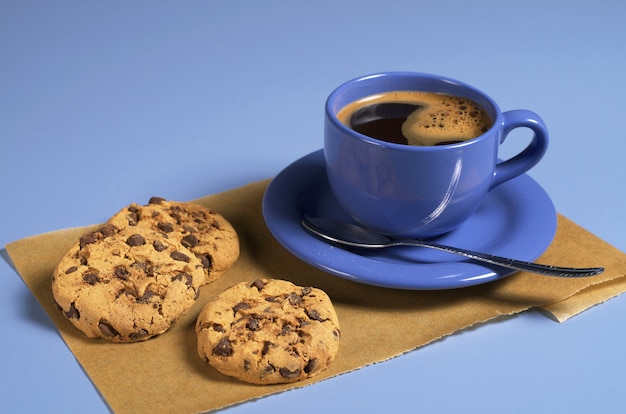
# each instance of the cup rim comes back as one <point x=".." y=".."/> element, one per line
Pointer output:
<point x="331" y="110"/>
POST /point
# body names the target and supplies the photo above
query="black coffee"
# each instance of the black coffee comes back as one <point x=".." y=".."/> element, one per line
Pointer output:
<point x="416" y="118"/>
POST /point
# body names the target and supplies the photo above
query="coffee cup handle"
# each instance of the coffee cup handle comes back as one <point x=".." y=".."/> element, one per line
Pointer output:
<point x="528" y="157"/>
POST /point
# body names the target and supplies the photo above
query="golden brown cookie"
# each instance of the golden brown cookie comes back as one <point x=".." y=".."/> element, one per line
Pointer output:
<point x="268" y="332"/>
<point x="124" y="285"/>
<point x="206" y="233"/>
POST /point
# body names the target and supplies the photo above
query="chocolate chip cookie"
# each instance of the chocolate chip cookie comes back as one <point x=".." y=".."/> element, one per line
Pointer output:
<point x="204" y="232"/>
<point x="269" y="331"/>
<point x="123" y="285"/>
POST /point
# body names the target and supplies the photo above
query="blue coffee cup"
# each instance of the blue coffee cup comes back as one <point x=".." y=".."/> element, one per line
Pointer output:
<point x="420" y="191"/>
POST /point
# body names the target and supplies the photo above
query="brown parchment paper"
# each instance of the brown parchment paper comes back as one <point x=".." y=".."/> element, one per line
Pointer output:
<point x="170" y="377"/>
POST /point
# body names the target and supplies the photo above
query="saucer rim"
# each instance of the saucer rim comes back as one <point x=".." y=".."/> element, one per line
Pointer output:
<point x="282" y="214"/>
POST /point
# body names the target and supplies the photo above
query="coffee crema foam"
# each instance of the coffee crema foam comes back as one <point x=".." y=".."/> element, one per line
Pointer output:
<point x="438" y="118"/>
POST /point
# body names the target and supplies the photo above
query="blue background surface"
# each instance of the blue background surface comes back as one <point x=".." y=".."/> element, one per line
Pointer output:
<point x="104" y="103"/>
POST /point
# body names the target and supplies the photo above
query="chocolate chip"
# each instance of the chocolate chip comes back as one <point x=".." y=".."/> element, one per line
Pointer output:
<point x="285" y="330"/>
<point x="246" y="365"/>
<point x="223" y="348"/>
<point x="310" y="366"/>
<point x="184" y="277"/>
<point x="313" y="314"/>
<point x="132" y="218"/>
<point x="136" y="240"/>
<point x="71" y="270"/>
<point x="217" y="327"/>
<point x="267" y="370"/>
<point x="259" y="284"/>
<point x="181" y="257"/>
<point x="107" y="329"/>
<point x="108" y="230"/>
<point x="198" y="216"/>
<point x="88" y="238"/>
<point x="142" y="333"/>
<point x="141" y="265"/>
<point x="186" y="228"/>
<point x="121" y="272"/>
<point x="189" y="241"/>
<point x="205" y="260"/>
<point x="165" y="227"/>
<point x="145" y="298"/>
<point x="286" y="373"/>
<point x="156" y="200"/>
<point x="158" y="246"/>
<point x="254" y="324"/>
<point x="90" y="278"/>
<point x="294" y="299"/>
<point x="272" y="299"/>
<point x="306" y="290"/>
<point x="240" y="306"/>
<point x="73" y="312"/>
<point x="266" y="347"/>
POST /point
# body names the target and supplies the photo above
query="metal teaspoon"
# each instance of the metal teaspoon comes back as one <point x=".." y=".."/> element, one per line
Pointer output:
<point x="353" y="235"/>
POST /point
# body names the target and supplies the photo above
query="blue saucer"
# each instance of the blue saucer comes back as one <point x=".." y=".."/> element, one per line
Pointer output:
<point x="517" y="220"/>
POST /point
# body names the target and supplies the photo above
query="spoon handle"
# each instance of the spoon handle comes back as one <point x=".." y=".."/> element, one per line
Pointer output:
<point x="570" y="272"/>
